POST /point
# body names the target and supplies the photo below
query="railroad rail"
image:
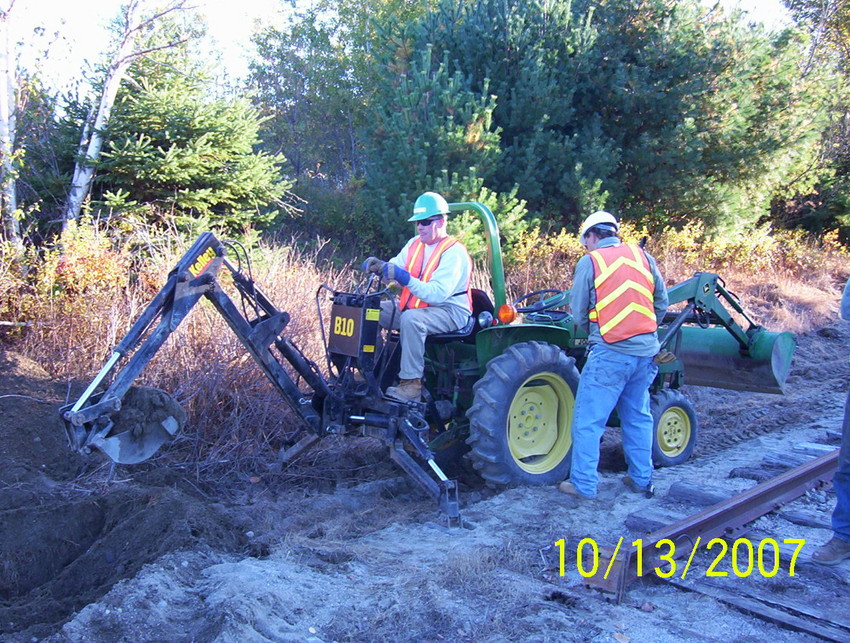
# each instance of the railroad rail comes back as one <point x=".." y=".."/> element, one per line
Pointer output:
<point x="727" y="519"/>
<point x="723" y="519"/>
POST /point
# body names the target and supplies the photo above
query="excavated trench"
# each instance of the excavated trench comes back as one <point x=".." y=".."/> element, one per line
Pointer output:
<point x="64" y="545"/>
<point x="60" y="555"/>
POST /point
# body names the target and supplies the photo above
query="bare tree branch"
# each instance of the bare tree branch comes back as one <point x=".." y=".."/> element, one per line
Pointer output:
<point x="92" y="139"/>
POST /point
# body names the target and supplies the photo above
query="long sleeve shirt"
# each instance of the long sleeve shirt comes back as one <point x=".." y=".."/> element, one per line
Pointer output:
<point x="583" y="299"/>
<point x="448" y="286"/>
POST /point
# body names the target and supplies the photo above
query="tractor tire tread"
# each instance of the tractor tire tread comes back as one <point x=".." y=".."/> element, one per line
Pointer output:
<point x="489" y="453"/>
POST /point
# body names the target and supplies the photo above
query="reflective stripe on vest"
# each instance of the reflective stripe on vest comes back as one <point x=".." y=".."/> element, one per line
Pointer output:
<point x="624" y="293"/>
<point x="415" y="259"/>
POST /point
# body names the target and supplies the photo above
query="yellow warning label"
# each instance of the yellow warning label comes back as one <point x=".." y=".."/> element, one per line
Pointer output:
<point x="373" y="314"/>
<point x="368" y="348"/>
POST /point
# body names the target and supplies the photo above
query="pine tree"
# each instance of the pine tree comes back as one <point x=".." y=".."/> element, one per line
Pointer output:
<point x="173" y="149"/>
<point x="646" y="107"/>
<point x="426" y="124"/>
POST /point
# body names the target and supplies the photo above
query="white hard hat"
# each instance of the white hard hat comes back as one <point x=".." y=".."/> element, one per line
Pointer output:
<point x="598" y="218"/>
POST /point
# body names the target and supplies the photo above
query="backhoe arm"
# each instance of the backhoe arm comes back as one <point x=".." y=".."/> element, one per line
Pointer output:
<point x="93" y="421"/>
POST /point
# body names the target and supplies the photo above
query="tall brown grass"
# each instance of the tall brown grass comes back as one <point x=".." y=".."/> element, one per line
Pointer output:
<point x="77" y="304"/>
<point x="785" y="280"/>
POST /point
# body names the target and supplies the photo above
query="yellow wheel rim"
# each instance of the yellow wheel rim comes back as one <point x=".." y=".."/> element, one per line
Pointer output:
<point x="539" y="423"/>
<point x="673" y="431"/>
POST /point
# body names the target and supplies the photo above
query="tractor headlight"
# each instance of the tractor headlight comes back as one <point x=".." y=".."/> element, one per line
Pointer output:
<point x="485" y="319"/>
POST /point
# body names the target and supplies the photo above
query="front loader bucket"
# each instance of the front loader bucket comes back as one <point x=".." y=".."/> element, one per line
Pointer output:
<point x="713" y="357"/>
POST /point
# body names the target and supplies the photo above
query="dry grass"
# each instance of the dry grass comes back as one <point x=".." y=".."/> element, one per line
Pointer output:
<point x="80" y="303"/>
<point x="785" y="280"/>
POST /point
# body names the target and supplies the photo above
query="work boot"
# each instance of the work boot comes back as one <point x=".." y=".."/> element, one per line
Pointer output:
<point x="634" y="488"/>
<point x="406" y="391"/>
<point x="832" y="553"/>
<point x="568" y="488"/>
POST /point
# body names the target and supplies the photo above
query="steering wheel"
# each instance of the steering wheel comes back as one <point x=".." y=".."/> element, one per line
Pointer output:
<point x="558" y="297"/>
<point x="370" y="284"/>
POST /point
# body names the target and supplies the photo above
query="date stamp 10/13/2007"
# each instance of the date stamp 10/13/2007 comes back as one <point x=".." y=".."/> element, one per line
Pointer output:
<point x="742" y="558"/>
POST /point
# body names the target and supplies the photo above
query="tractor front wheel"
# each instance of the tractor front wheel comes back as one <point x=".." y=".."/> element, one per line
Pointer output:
<point x="521" y="416"/>
<point x="675" y="427"/>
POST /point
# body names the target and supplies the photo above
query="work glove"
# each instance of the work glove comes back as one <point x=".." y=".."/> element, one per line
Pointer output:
<point x="372" y="264"/>
<point x="393" y="272"/>
<point x="664" y="357"/>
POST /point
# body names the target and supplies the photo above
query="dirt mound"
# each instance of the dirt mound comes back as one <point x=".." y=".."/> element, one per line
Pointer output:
<point x="93" y="553"/>
<point x="66" y="553"/>
<point x="62" y="544"/>
<point x="32" y="440"/>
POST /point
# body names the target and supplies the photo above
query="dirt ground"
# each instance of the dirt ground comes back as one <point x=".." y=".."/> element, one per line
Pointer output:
<point x="93" y="553"/>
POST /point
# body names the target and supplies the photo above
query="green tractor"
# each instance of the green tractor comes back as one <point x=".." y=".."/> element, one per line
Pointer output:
<point x="517" y="387"/>
<point x="499" y="391"/>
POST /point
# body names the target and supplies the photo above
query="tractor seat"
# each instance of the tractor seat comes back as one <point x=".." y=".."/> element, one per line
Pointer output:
<point x="480" y="303"/>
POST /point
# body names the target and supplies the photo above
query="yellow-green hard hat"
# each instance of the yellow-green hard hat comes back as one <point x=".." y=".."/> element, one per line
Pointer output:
<point x="427" y="205"/>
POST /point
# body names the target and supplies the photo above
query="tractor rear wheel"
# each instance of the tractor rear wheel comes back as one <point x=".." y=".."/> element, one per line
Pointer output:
<point x="675" y="427"/>
<point x="521" y="417"/>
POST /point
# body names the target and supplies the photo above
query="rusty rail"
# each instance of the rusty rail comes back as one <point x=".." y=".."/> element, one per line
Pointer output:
<point x="724" y="519"/>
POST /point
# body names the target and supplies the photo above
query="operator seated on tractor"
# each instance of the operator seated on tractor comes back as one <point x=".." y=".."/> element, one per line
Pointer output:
<point x="434" y="270"/>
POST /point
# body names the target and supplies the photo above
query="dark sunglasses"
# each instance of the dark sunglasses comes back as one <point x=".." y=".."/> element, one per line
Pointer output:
<point x="428" y="221"/>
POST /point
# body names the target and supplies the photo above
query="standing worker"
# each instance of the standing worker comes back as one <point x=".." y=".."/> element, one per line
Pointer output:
<point x="838" y="547"/>
<point x="619" y="298"/>
<point x="434" y="270"/>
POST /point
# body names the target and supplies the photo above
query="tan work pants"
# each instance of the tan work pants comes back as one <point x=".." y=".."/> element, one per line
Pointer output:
<point x="414" y="326"/>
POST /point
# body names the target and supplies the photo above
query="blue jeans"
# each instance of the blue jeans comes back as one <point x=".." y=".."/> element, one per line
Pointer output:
<point x="841" y="481"/>
<point x="611" y="379"/>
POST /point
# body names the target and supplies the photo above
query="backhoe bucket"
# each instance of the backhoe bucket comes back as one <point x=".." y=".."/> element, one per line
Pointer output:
<point x="713" y="357"/>
<point x="148" y="418"/>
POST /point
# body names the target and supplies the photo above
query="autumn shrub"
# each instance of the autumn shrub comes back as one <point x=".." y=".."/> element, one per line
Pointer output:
<point x="789" y="277"/>
<point x="14" y="290"/>
<point x="79" y="298"/>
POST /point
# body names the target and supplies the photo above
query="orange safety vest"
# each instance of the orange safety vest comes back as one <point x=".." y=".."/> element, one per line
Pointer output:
<point x="415" y="259"/>
<point x="624" y="293"/>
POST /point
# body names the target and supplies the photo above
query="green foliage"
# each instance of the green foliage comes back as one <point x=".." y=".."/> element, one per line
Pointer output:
<point x="660" y="111"/>
<point x="172" y="151"/>
<point x="175" y="151"/>
<point x="429" y="124"/>
<point x="829" y="23"/>
<point x="305" y="89"/>
<point x="512" y="216"/>
<point x="825" y="204"/>
<point x="649" y="108"/>
<point x="48" y="144"/>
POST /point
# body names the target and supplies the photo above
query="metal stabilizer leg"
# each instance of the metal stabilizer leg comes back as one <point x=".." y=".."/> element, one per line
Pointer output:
<point x="304" y="444"/>
<point x="450" y="503"/>
<point x="445" y="492"/>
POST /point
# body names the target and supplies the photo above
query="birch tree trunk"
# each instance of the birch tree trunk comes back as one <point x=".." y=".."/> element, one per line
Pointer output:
<point x="8" y="116"/>
<point x="92" y="138"/>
